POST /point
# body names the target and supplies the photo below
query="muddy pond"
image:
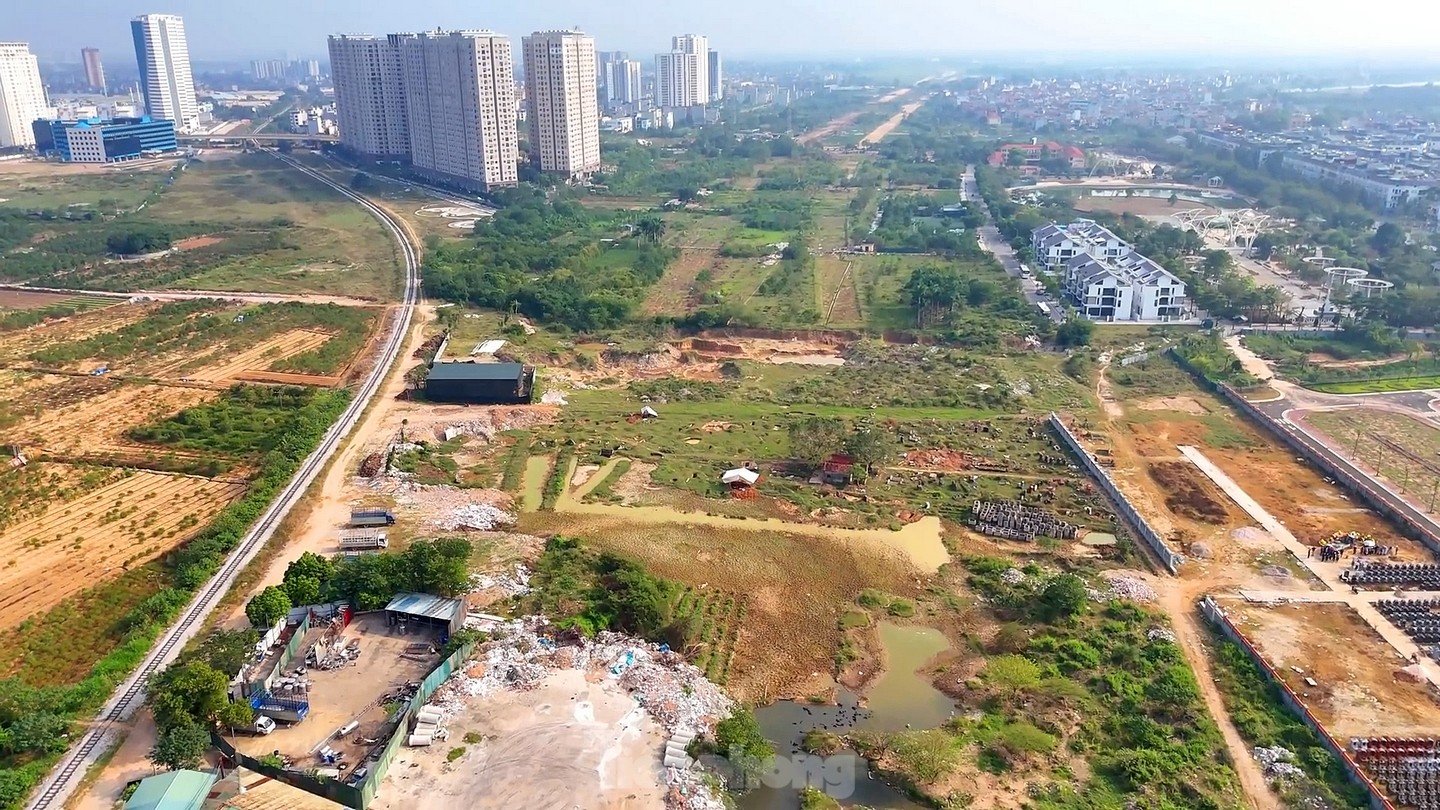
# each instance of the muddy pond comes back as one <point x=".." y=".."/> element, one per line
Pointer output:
<point x="901" y="698"/>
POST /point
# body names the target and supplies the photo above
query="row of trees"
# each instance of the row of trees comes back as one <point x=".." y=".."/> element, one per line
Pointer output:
<point x="368" y="581"/>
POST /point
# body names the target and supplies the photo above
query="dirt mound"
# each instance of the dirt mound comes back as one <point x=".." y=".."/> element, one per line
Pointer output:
<point x="940" y="459"/>
<point x="1187" y="494"/>
<point x="717" y="347"/>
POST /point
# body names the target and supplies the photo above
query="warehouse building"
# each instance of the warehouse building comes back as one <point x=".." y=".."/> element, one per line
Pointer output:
<point x="480" y="383"/>
<point x="98" y="140"/>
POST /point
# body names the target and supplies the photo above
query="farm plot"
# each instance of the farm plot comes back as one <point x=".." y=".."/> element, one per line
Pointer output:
<point x="1401" y="449"/>
<point x="77" y="543"/>
<point x="260" y="357"/>
<point x="18" y="344"/>
<point x="83" y="417"/>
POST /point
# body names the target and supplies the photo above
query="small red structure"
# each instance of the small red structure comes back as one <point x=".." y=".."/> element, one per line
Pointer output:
<point x="836" y="469"/>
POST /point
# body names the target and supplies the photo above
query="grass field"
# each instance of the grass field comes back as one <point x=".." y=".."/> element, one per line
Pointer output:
<point x="25" y="184"/>
<point x="1404" y="450"/>
<point x="1380" y="386"/>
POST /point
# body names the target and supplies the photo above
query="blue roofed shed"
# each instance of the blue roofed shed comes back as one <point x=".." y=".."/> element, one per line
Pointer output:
<point x="176" y="790"/>
<point x="427" y="609"/>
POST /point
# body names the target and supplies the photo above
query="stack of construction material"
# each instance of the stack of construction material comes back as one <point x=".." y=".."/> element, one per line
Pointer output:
<point x="427" y="727"/>
<point x="676" y="755"/>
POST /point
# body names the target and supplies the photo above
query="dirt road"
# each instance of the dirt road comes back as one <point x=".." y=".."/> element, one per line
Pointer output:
<point x="1179" y="603"/>
<point x="878" y="133"/>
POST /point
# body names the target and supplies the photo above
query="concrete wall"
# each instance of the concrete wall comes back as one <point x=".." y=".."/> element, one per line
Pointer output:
<point x="1292" y="702"/>
<point x="1142" y="529"/>
<point x="1411" y="521"/>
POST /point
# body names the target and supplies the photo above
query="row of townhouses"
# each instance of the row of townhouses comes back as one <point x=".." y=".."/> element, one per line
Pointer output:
<point x="1106" y="277"/>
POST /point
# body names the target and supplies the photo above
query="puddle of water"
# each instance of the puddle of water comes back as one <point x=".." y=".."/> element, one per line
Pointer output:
<point x="899" y="698"/>
<point x="532" y="490"/>
<point x="902" y="697"/>
<point x="1099" y="539"/>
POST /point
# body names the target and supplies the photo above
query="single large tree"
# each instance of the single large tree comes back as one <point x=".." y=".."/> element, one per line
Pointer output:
<point x="815" y="438"/>
<point x="183" y="746"/>
<point x="650" y="228"/>
<point x="268" y="607"/>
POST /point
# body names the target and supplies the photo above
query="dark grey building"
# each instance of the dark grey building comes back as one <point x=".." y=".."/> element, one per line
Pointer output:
<point x="480" y="383"/>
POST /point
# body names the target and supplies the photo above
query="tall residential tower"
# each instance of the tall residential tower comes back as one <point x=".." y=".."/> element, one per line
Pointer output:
<point x="460" y="101"/>
<point x="370" y="94"/>
<point x="94" y="70"/>
<point x="562" y="105"/>
<point x="622" y="79"/>
<point x="22" y="96"/>
<point x="164" y="62"/>
<point x="682" y="77"/>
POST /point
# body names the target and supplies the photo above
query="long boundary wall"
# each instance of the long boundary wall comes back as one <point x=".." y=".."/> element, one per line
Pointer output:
<point x="1168" y="558"/>
<point x="1415" y="524"/>
<point x="1216" y="615"/>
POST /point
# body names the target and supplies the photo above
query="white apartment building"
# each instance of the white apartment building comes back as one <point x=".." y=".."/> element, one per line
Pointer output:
<point x="370" y="94"/>
<point x="460" y="101"/>
<point x="622" y="81"/>
<point x="562" y="104"/>
<point x="22" y="96"/>
<point x="1105" y="276"/>
<point x="1378" y="186"/>
<point x="164" y="62"/>
<point x="682" y="77"/>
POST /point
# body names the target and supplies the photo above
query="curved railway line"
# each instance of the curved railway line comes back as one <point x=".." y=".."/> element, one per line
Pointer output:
<point x="127" y="697"/>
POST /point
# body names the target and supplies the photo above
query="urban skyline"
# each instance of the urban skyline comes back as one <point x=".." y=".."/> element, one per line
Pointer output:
<point x="913" y="27"/>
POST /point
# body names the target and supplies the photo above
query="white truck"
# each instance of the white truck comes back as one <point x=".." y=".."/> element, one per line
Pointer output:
<point x="361" y="540"/>
<point x="261" y="726"/>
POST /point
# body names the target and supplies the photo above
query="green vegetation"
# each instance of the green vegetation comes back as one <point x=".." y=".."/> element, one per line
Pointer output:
<point x="1209" y="357"/>
<point x="589" y="276"/>
<point x="1255" y="706"/>
<point x="268" y="607"/>
<point x="248" y="420"/>
<point x="1087" y="680"/>
<point x="1389" y="363"/>
<point x="592" y="591"/>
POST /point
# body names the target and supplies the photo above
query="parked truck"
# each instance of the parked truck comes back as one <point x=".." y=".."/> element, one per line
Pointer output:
<point x="371" y="517"/>
<point x="359" y="540"/>
<point x="287" y="710"/>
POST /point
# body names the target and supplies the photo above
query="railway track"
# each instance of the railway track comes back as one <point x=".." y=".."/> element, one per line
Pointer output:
<point x="127" y="697"/>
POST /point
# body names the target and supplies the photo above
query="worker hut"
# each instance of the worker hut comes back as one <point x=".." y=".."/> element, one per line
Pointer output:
<point x="410" y="609"/>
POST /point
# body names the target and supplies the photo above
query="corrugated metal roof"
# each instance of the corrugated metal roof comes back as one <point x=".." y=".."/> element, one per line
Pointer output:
<point x="177" y="790"/>
<point x="476" y="371"/>
<point x="427" y="605"/>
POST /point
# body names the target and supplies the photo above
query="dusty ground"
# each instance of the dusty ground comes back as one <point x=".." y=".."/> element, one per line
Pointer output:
<point x="878" y="133"/>
<point x="17" y="345"/>
<point x="354" y="692"/>
<point x="1399" y="447"/>
<point x="88" y="416"/>
<point x="226" y="366"/>
<point x="569" y="743"/>
<point x="72" y="545"/>
<point x="17" y="299"/>
<point x="1181" y="404"/>
<point x="1358" y="694"/>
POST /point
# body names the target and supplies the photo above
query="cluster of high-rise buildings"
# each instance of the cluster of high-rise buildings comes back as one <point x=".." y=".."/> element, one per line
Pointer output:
<point x="447" y="101"/>
<point x="296" y="70"/>
<point x="163" y="59"/>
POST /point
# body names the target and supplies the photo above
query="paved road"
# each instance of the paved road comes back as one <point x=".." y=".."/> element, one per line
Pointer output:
<point x="992" y="241"/>
<point x="128" y="697"/>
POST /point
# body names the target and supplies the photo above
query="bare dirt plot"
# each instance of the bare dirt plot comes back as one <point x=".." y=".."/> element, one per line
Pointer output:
<point x="1358" y="693"/>
<point x="878" y="133"/>
<point x="197" y="242"/>
<point x="76" y="544"/>
<point x="19" y="299"/>
<point x="839" y="298"/>
<point x="260" y="356"/>
<point x="569" y="742"/>
<point x="675" y="292"/>
<point x="1182" y="404"/>
<point x="87" y="416"/>
<point x="1188" y="493"/>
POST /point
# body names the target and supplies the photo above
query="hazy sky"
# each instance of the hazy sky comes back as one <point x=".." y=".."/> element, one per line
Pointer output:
<point x="231" y="29"/>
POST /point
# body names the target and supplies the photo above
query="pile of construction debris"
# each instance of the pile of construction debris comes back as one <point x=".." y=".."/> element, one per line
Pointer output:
<point x="1121" y="585"/>
<point x="516" y="584"/>
<point x="1277" y="763"/>
<point x="480" y="517"/>
<point x="523" y="652"/>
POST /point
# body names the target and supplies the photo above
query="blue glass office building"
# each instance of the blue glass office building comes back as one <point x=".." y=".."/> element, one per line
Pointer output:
<point x="98" y="140"/>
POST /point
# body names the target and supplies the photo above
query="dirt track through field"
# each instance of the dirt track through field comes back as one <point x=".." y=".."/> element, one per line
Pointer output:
<point x="75" y="545"/>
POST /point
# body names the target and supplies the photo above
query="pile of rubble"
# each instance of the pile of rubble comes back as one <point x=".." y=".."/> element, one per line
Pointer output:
<point x="523" y="652"/>
<point x="1120" y="585"/>
<point x="516" y="584"/>
<point x="553" y="397"/>
<point x="476" y="516"/>
<point x="1161" y="634"/>
<point x="1012" y="576"/>
<point x="1277" y="763"/>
